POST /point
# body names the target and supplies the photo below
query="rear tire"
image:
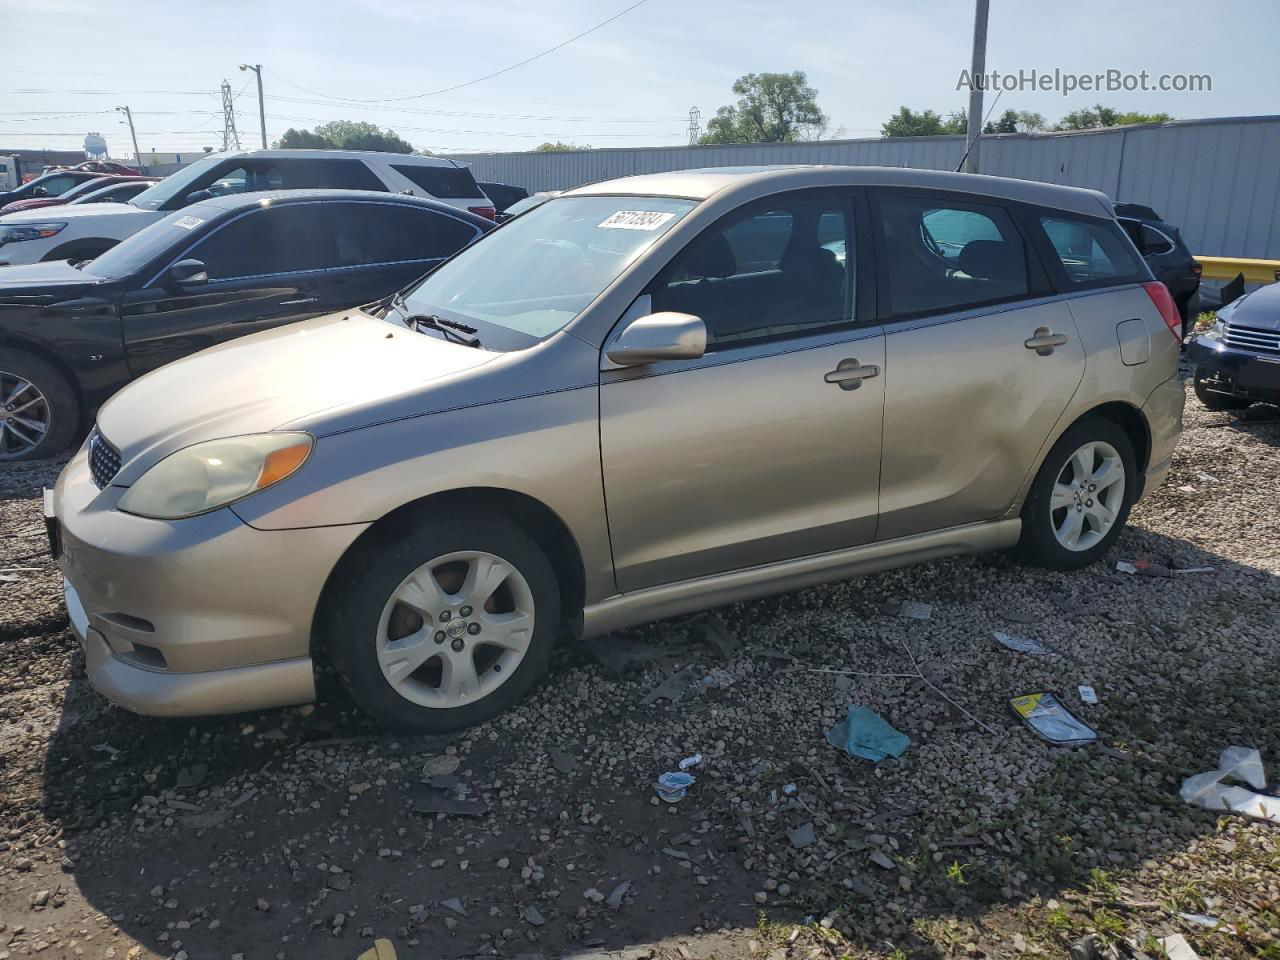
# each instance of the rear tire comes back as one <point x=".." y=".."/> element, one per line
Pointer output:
<point x="1214" y="400"/>
<point x="39" y="411"/>
<point x="447" y="626"/>
<point x="1080" y="499"/>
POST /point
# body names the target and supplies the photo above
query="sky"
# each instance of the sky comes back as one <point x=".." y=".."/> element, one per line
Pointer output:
<point x="69" y="63"/>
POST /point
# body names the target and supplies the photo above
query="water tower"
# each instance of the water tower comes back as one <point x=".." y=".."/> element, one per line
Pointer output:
<point x="95" y="148"/>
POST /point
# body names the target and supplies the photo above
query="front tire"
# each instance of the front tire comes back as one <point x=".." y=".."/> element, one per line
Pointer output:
<point x="447" y="626"/>
<point x="39" y="412"/>
<point x="1212" y="399"/>
<point x="1081" y="497"/>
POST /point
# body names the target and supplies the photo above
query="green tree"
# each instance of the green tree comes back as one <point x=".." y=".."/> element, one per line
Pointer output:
<point x="560" y="147"/>
<point x="771" y="108"/>
<point x="345" y="135"/>
<point x="1016" y="121"/>
<point x="926" y="123"/>
<point x="1100" y="116"/>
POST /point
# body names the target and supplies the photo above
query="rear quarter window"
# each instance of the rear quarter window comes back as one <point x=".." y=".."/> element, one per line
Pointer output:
<point x="446" y="183"/>
<point x="1092" y="252"/>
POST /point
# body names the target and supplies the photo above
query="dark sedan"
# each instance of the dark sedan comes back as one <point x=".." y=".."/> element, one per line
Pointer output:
<point x="72" y="333"/>
<point x="1237" y="362"/>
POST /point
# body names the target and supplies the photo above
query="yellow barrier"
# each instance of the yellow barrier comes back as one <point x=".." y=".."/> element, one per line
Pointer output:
<point x="1226" y="268"/>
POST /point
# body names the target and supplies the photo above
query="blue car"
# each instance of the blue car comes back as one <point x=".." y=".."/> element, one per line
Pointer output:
<point x="1237" y="362"/>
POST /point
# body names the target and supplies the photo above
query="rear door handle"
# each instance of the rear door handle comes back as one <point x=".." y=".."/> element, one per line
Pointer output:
<point x="849" y="374"/>
<point x="1044" y="340"/>
<point x="295" y="303"/>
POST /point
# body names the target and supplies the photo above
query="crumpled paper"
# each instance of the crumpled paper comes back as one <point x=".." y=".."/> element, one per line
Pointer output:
<point x="864" y="733"/>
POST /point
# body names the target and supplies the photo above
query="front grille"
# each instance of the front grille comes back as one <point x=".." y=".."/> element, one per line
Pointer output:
<point x="1251" y="338"/>
<point x="104" y="459"/>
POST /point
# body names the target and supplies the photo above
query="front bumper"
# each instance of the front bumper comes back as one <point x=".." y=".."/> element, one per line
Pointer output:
<point x="197" y="616"/>
<point x="1242" y="373"/>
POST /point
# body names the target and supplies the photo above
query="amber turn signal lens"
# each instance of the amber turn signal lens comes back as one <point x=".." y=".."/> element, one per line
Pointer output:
<point x="280" y="463"/>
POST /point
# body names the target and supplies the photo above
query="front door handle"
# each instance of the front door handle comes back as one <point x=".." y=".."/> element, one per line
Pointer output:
<point x="295" y="303"/>
<point x="1044" y="340"/>
<point x="849" y="374"/>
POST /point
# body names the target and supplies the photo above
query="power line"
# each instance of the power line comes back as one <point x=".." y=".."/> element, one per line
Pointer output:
<point x="468" y="83"/>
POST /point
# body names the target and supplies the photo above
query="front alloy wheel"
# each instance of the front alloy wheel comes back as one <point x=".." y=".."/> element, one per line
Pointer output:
<point x="24" y="416"/>
<point x="455" y="629"/>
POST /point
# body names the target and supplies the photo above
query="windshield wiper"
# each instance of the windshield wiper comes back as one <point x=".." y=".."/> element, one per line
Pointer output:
<point x="452" y="330"/>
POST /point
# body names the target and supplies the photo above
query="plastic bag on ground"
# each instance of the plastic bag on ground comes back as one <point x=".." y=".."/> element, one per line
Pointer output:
<point x="1239" y="763"/>
<point x="864" y="733"/>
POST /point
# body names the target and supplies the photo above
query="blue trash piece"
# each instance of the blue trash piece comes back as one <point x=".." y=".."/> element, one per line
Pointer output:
<point x="864" y="733"/>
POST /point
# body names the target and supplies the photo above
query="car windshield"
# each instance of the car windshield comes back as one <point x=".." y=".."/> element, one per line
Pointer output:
<point x="137" y="250"/>
<point x="155" y="197"/>
<point x="540" y="271"/>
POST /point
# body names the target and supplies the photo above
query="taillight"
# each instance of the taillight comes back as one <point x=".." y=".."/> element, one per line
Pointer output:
<point x="1160" y="296"/>
<point x="487" y="212"/>
<point x="1197" y="268"/>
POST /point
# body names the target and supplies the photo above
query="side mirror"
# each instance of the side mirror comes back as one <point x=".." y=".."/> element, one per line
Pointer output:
<point x="659" y="336"/>
<point x="39" y="192"/>
<point x="195" y="196"/>
<point x="187" y="273"/>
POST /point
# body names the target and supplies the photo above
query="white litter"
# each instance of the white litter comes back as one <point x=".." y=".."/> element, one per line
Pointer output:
<point x="1124" y="566"/>
<point x="1021" y="644"/>
<point x="1087" y="694"/>
<point x="1175" y="947"/>
<point x="1204" y="920"/>
<point x="914" y="610"/>
<point x="1236" y="763"/>
<point x="1193" y="570"/>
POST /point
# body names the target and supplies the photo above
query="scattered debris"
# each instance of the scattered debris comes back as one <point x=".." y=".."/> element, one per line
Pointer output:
<point x="1181" y="570"/>
<point x="1239" y="763"/>
<point x="562" y="760"/>
<point x="1087" y="694"/>
<point x="441" y="766"/>
<point x="454" y="904"/>
<point x="864" y="733"/>
<point x="673" y="688"/>
<point x="1176" y="947"/>
<point x="1144" y="567"/>
<point x="914" y="610"/>
<point x="1213" y="923"/>
<point x="801" y="836"/>
<point x="882" y="859"/>
<point x="382" y="949"/>
<point x="1046" y="715"/>
<point x="1021" y="644"/>
<point x="205" y="821"/>
<point x="1086" y="948"/>
<point x="105" y="748"/>
<point x="712" y="629"/>
<point x="191" y="776"/>
<point x="618" y="654"/>
<point x="717" y="679"/>
<point x="672" y="787"/>
<point x="688" y="763"/>
<point x="532" y="916"/>
<point x="430" y="797"/>
<point x="1124" y="566"/>
<point x="619" y="892"/>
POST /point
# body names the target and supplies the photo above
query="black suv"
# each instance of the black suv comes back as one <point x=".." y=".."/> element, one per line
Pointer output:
<point x="1161" y="246"/>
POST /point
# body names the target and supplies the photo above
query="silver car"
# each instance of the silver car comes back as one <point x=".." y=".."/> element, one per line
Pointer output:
<point x="645" y="397"/>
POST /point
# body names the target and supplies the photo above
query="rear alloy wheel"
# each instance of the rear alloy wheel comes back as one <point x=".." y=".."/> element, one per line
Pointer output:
<point x="38" y="411"/>
<point x="1080" y="499"/>
<point x="445" y="627"/>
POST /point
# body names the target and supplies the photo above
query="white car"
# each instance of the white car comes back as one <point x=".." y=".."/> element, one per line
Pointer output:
<point x="84" y="232"/>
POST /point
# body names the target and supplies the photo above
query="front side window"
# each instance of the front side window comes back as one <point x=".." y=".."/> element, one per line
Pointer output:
<point x="57" y="186"/>
<point x="269" y="240"/>
<point x="368" y="233"/>
<point x="777" y="270"/>
<point x="1091" y="251"/>
<point x="527" y="280"/>
<point x="948" y="255"/>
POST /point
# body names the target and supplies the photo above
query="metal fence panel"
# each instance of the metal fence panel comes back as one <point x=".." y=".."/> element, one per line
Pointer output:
<point x="1218" y="180"/>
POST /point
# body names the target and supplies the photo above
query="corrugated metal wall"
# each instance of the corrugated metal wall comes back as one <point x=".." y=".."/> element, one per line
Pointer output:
<point x="1217" y="180"/>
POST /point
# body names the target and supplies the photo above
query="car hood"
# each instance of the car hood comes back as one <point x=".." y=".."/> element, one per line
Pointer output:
<point x="40" y="282"/>
<point x="276" y="379"/>
<point x="69" y="212"/>
<point x="38" y="203"/>
<point x="1260" y="309"/>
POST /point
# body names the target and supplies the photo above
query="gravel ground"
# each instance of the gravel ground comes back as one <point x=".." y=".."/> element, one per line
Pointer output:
<point x="293" y="833"/>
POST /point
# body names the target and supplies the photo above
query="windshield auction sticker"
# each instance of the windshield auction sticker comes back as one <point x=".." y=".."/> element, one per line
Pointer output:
<point x="188" y="222"/>
<point x="636" y="220"/>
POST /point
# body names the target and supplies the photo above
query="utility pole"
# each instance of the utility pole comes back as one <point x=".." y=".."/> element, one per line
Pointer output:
<point x="973" y="137"/>
<point x="262" y="110"/>
<point x="695" y="125"/>
<point x="128" y="115"/>
<point x="230" y="138"/>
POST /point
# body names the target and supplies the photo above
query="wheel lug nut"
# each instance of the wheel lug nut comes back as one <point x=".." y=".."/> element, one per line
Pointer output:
<point x="457" y="646"/>
<point x="439" y="636"/>
<point x="464" y="612"/>
<point x="1089" y="502"/>
<point x="445" y="616"/>
<point x="473" y="628"/>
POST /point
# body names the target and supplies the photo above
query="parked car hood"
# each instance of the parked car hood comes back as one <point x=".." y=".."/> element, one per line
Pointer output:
<point x="69" y="212"/>
<point x="273" y="379"/>
<point x="1260" y="309"/>
<point x="47" y="282"/>
<point x="35" y="203"/>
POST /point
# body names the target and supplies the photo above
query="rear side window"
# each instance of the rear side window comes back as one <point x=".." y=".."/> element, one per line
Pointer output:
<point x="942" y="255"/>
<point x="368" y="233"/>
<point x="448" y="183"/>
<point x="1092" y="252"/>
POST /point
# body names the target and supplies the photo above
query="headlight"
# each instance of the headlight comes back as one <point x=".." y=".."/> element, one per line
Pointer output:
<point x="209" y="475"/>
<point x="12" y="233"/>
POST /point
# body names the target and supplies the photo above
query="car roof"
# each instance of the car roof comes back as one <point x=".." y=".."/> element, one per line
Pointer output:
<point x="704" y="183"/>
<point x="215" y="206"/>
<point x="409" y="158"/>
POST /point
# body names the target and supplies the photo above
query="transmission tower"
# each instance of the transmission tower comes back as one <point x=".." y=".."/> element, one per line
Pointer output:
<point x="230" y="139"/>
<point x="695" y="125"/>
